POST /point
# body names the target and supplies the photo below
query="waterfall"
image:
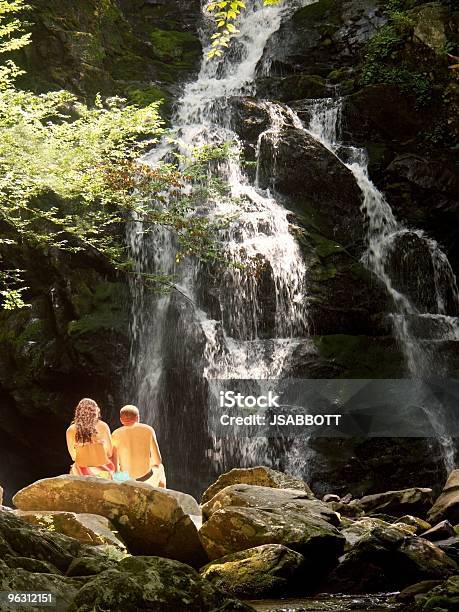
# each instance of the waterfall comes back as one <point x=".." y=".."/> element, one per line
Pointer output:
<point x="249" y="324"/>
<point x="245" y="320"/>
<point x="384" y="234"/>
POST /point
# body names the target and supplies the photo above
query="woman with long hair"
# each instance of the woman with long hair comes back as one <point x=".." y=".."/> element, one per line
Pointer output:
<point x="89" y="442"/>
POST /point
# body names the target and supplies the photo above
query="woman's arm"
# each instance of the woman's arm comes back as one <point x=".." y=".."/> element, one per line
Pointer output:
<point x="107" y="439"/>
<point x="70" y="436"/>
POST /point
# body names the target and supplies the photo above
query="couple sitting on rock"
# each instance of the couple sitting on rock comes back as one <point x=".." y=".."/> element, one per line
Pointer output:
<point x="131" y="452"/>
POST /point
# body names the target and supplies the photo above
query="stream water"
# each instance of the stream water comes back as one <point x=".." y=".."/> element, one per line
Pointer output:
<point x="237" y="324"/>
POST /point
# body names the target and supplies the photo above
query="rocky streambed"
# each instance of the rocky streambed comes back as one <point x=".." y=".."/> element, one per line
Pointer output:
<point x="259" y="540"/>
<point x="330" y="603"/>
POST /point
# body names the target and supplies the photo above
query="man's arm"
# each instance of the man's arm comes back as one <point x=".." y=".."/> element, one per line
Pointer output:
<point x="154" y="450"/>
<point x="156" y="459"/>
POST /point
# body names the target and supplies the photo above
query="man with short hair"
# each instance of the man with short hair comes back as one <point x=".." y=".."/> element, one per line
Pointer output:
<point x="137" y="449"/>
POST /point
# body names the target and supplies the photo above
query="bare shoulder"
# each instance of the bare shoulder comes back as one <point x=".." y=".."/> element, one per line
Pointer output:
<point x="71" y="429"/>
<point x="116" y="432"/>
<point x="147" y="428"/>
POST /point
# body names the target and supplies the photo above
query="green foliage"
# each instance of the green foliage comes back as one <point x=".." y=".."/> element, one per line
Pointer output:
<point x="226" y="14"/>
<point x="69" y="176"/>
<point x="381" y="63"/>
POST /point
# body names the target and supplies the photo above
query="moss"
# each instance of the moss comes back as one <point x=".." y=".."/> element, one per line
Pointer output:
<point x="361" y="356"/>
<point x="181" y="47"/>
<point x="324" y="247"/>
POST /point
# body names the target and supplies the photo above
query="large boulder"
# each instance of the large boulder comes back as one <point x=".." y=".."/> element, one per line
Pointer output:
<point x="387" y="560"/>
<point x="152" y="583"/>
<point x="416" y="500"/>
<point x="250" y="496"/>
<point x="260" y="476"/>
<point x="233" y="529"/>
<point x="87" y="528"/>
<point x="447" y="505"/>
<point x="313" y="183"/>
<point x="362" y="528"/>
<point x="150" y="520"/>
<point x="263" y="571"/>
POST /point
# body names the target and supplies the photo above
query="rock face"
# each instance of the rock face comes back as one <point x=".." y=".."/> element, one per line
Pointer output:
<point x="313" y="183"/>
<point x="447" y="505"/>
<point x="86" y="528"/>
<point x="264" y="571"/>
<point x="260" y="476"/>
<point x="388" y="560"/>
<point x="149" y="520"/>
<point x="397" y="503"/>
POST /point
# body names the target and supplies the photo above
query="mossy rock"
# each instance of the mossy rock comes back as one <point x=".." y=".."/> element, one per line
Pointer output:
<point x="361" y="356"/>
<point x="264" y="571"/>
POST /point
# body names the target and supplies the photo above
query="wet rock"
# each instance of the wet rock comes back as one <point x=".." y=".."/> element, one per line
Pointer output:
<point x="233" y="529"/>
<point x="152" y="583"/>
<point x="410" y="260"/>
<point x="251" y="496"/>
<point x="259" y="476"/>
<point x="264" y="571"/>
<point x="292" y="87"/>
<point x="446" y="507"/>
<point x="149" y="520"/>
<point x="409" y="594"/>
<point x="445" y="596"/>
<point x="397" y="503"/>
<point x="87" y="528"/>
<point x="313" y="183"/>
<point x="388" y="560"/>
<point x="1" y="496"/>
<point x="441" y="531"/>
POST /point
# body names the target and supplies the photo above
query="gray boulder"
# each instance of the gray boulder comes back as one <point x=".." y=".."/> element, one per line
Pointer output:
<point x="260" y="476"/>
<point x="265" y="497"/>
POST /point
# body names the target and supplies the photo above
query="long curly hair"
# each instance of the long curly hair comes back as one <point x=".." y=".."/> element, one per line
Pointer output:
<point x="87" y="415"/>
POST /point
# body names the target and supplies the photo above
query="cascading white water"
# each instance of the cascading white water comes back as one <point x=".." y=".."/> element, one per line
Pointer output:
<point x="382" y="233"/>
<point x="257" y="327"/>
<point x="248" y="336"/>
